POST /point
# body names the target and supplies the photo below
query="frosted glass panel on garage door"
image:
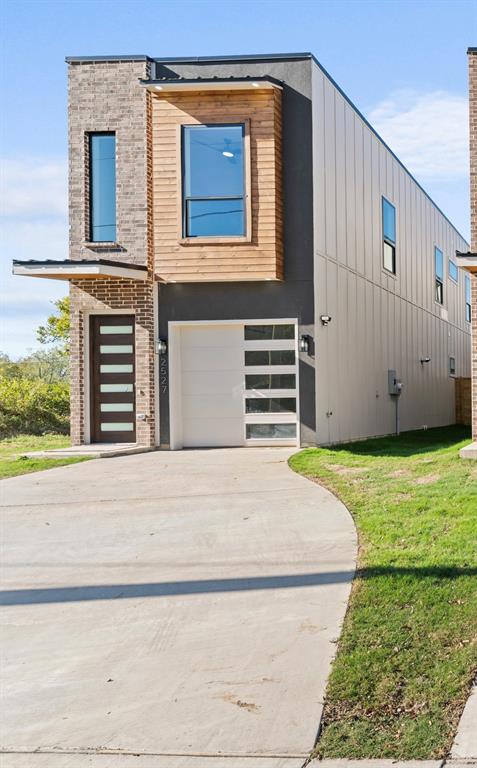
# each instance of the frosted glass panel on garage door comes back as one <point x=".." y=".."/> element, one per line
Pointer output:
<point x="212" y="385"/>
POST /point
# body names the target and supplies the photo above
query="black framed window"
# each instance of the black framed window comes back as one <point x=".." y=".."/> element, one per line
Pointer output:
<point x="468" y="300"/>
<point x="389" y="236"/>
<point x="451" y="366"/>
<point x="102" y="187"/>
<point x="213" y="180"/>
<point x="439" y="274"/>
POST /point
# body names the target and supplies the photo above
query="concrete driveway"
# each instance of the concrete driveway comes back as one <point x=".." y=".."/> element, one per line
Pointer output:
<point x="181" y="606"/>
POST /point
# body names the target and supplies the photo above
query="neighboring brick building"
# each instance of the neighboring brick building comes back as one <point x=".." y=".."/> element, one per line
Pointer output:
<point x="249" y="263"/>
<point x="468" y="261"/>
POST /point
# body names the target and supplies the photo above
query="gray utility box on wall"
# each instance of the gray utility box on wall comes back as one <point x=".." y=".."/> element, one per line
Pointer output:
<point x="394" y="384"/>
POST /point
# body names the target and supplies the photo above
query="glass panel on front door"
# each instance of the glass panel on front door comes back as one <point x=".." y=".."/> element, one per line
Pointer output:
<point x="113" y="410"/>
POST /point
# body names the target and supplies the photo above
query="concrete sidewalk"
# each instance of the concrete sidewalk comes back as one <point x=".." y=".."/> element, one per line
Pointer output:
<point x="175" y="606"/>
<point x="465" y="744"/>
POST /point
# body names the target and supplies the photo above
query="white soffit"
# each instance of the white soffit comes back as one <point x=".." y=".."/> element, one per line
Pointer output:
<point x="467" y="261"/>
<point x="220" y="85"/>
<point x="77" y="271"/>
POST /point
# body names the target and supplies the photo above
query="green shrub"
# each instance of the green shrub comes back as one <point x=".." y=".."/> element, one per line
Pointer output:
<point x="33" y="406"/>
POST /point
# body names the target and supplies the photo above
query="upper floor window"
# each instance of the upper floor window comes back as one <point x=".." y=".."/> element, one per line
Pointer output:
<point x="453" y="271"/>
<point x="389" y="236"/>
<point x="102" y="187"/>
<point x="468" y="311"/>
<point x="213" y="181"/>
<point x="439" y="273"/>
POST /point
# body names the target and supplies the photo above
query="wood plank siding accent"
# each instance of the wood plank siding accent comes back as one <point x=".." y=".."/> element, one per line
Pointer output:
<point x="259" y="255"/>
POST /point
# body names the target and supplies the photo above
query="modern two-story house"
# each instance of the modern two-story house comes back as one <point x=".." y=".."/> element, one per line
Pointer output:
<point x="249" y="263"/>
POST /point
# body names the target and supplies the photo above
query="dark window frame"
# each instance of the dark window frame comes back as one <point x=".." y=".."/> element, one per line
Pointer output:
<point x="452" y="366"/>
<point x="438" y="281"/>
<point x="386" y="239"/>
<point x="89" y="141"/>
<point x="185" y="199"/>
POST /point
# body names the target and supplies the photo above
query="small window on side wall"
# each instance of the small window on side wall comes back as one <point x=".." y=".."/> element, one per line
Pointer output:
<point x="102" y="187"/>
<point x="439" y="275"/>
<point x="468" y="310"/>
<point x="451" y="366"/>
<point x="389" y="236"/>
<point x="453" y="271"/>
<point x="213" y="181"/>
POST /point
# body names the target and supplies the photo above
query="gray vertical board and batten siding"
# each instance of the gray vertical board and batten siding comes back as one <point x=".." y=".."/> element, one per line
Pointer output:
<point x="254" y="300"/>
<point x="379" y="321"/>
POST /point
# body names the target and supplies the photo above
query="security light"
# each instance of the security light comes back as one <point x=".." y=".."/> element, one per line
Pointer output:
<point x="425" y="360"/>
<point x="304" y="343"/>
<point x="325" y="319"/>
<point x="161" y="347"/>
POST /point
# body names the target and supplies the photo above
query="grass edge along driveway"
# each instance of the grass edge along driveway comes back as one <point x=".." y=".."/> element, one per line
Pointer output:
<point x="13" y="464"/>
<point x="408" y="650"/>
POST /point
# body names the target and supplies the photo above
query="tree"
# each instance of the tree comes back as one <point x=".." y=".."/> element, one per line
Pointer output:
<point x="57" y="328"/>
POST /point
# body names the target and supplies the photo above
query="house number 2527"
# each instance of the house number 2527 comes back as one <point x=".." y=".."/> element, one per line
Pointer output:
<point x="163" y="374"/>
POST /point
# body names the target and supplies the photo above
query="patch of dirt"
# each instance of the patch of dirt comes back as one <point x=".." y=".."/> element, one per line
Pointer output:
<point x="340" y="470"/>
<point x="399" y="473"/>
<point x="427" y="479"/>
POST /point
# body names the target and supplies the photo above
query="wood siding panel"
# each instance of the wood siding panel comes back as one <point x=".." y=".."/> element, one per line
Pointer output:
<point x="260" y="257"/>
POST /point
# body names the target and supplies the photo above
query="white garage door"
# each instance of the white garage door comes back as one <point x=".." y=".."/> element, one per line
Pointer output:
<point x="233" y="384"/>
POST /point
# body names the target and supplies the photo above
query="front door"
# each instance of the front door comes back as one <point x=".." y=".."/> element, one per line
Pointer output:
<point x="113" y="412"/>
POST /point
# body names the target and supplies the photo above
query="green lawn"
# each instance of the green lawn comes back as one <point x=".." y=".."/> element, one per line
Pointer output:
<point x="11" y="448"/>
<point x="408" y="651"/>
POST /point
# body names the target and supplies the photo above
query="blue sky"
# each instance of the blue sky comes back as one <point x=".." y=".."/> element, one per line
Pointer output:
<point x="403" y="63"/>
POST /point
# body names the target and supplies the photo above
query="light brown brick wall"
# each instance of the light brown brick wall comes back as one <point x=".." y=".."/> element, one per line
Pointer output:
<point x="463" y="401"/>
<point x="473" y="222"/>
<point x="122" y="296"/>
<point x="106" y="96"/>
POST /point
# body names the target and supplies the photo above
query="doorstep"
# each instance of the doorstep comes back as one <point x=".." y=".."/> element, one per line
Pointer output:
<point x="469" y="451"/>
<point x="93" y="450"/>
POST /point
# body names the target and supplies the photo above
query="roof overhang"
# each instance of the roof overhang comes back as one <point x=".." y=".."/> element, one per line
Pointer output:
<point x="211" y="84"/>
<point x="85" y="269"/>
<point x="467" y="261"/>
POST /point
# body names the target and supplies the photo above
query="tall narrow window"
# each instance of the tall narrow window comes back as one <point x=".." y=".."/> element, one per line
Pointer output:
<point x="213" y="181"/>
<point x="102" y="181"/>
<point x="468" y="311"/>
<point x="389" y="236"/>
<point x="439" y="272"/>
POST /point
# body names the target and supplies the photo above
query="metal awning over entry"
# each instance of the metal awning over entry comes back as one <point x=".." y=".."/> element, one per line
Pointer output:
<point x="467" y="261"/>
<point x="83" y="269"/>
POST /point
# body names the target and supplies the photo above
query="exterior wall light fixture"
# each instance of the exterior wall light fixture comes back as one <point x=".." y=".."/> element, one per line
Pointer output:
<point x="304" y="345"/>
<point x="425" y="360"/>
<point x="161" y="347"/>
<point x="325" y="319"/>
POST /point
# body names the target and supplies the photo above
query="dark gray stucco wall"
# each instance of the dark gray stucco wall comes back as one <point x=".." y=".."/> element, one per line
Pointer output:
<point x="294" y="297"/>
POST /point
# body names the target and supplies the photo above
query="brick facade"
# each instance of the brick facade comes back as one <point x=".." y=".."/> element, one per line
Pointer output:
<point x="106" y="96"/>
<point x="463" y="401"/>
<point x="473" y="221"/>
<point x="121" y="296"/>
